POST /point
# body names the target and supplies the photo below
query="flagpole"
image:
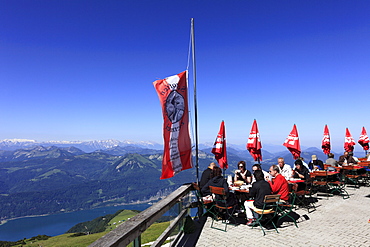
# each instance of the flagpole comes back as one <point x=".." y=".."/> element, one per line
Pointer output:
<point x="195" y="99"/>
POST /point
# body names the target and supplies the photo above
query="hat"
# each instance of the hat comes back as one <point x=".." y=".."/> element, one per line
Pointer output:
<point x="314" y="157"/>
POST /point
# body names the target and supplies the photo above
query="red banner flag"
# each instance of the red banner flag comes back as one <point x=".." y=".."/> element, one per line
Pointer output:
<point x="292" y="143"/>
<point x="364" y="139"/>
<point x="325" y="145"/>
<point x="254" y="145"/>
<point x="349" y="142"/>
<point x="172" y="93"/>
<point x="219" y="147"/>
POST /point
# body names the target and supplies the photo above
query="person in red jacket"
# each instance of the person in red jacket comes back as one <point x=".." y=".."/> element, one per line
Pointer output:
<point x="278" y="184"/>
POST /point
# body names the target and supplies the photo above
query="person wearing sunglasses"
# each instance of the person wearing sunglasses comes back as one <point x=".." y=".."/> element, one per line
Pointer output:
<point x="242" y="174"/>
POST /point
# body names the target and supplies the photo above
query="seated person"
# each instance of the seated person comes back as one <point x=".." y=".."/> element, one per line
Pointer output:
<point x="258" y="190"/>
<point x="279" y="185"/>
<point x="284" y="169"/>
<point x="217" y="180"/>
<point x="332" y="162"/>
<point x="243" y="174"/>
<point x="353" y="157"/>
<point x="346" y="159"/>
<point x="304" y="163"/>
<point x="315" y="164"/>
<point x="300" y="172"/>
<point x="258" y="167"/>
<point x="206" y="175"/>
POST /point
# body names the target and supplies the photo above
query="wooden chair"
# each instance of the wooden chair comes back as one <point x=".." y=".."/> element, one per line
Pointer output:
<point x="320" y="183"/>
<point x="224" y="210"/>
<point x="303" y="198"/>
<point x="285" y="209"/>
<point x="338" y="186"/>
<point x="207" y="207"/>
<point x="351" y="176"/>
<point x="326" y="166"/>
<point x="268" y="212"/>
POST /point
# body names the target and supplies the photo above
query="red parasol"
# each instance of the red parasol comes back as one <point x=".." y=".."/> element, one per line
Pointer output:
<point x="292" y="143"/>
<point x="326" y="140"/>
<point x="364" y="139"/>
<point x="219" y="147"/>
<point x="349" y="142"/>
<point x="254" y="145"/>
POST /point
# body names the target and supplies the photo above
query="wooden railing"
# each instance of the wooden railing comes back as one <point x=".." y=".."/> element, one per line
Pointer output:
<point x="131" y="230"/>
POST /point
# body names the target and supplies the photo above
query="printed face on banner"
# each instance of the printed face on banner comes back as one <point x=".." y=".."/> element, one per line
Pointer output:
<point x="175" y="106"/>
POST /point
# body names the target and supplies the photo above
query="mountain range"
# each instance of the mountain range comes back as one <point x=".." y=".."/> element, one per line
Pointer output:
<point x="86" y="146"/>
<point x="49" y="179"/>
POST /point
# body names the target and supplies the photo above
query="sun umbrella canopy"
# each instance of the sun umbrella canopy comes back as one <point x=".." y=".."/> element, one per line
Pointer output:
<point x="349" y="142"/>
<point x="292" y="143"/>
<point x="219" y="147"/>
<point x="364" y="139"/>
<point x="325" y="145"/>
<point x="254" y="145"/>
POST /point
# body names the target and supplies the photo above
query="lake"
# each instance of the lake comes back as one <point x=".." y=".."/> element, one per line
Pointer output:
<point x="56" y="224"/>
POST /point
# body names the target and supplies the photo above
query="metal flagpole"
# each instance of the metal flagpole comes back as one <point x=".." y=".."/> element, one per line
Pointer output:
<point x="195" y="99"/>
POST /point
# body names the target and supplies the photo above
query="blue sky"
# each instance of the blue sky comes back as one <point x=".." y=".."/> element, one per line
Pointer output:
<point x="83" y="70"/>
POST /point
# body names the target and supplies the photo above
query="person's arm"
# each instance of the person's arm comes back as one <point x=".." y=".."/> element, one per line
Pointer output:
<point x="225" y="185"/>
<point x="275" y="185"/>
<point x="252" y="191"/>
<point x="205" y="190"/>
<point x="299" y="174"/>
<point x="341" y="160"/>
<point x="294" y="173"/>
<point x="321" y="165"/>
<point x="248" y="177"/>
<point x="237" y="175"/>
<point x="287" y="171"/>
<point x="303" y="174"/>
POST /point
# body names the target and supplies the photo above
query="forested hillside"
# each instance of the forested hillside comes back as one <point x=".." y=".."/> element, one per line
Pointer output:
<point x="57" y="183"/>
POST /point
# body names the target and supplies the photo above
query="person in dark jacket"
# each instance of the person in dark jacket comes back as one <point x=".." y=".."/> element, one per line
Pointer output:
<point x="217" y="180"/>
<point x="206" y="175"/>
<point x="300" y="172"/>
<point x="259" y="189"/>
<point x="315" y="164"/>
<point x="346" y="159"/>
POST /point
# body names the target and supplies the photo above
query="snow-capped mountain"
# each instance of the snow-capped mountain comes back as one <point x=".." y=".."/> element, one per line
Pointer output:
<point x="86" y="146"/>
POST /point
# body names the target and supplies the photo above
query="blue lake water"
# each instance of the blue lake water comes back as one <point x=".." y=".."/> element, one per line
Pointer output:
<point x="55" y="224"/>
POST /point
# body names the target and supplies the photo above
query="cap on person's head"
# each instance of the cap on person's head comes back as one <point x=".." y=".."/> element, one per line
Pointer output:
<point x="314" y="157"/>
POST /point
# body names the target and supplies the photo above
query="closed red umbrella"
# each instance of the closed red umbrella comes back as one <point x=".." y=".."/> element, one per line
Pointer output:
<point x="325" y="145"/>
<point x="292" y="143"/>
<point x="349" y="142"/>
<point x="219" y="147"/>
<point x="254" y="145"/>
<point x="364" y="140"/>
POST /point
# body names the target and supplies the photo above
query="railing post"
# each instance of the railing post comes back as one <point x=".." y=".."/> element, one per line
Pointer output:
<point x="137" y="241"/>
<point x="130" y="230"/>
<point x="180" y="205"/>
